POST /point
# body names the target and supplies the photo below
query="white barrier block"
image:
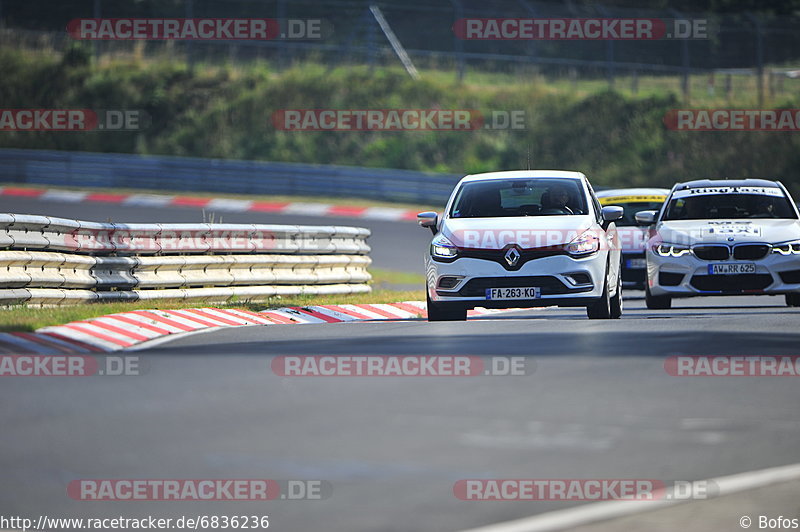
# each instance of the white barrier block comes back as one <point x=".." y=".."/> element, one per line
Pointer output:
<point x="184" y="238"/>
<point x="13" y="269"/>
<point x="160" y="272"/>
<point x="237" y="238"/>
<point x="44" y="268"/>
<point x="130" y="239"/>
<point x="60" y="233"/>
<point x="209" y="270"/>
<point x="93" y="237"/>
<point x="5" y="237"/>
<point x="77" y="271"/>
<point x="27" y="231"/>
<point x="14" y="296"/>
<point x="46" y="296"/>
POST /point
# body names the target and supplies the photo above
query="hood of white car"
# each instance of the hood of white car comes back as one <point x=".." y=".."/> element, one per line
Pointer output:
<point x="526" y="231"/>
<point x="689" y="232"/>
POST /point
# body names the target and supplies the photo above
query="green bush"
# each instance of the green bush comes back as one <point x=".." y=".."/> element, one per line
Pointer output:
<point x="617" y="140"/>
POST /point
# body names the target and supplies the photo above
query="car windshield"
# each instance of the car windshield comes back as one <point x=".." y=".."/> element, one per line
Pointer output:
<point x="519" y="197"/>
<point x="695" y="204"/>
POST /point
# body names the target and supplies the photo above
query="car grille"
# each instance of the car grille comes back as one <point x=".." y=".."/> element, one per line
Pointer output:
<point x="711" y="252"/>
<point x="498" y="255"/>
<point x="732" y="283"/>
<point x="549" y="285"/>
<point x="723" y="252"/>
<point x="750" y="251"/>
<point x="670" y="278"/>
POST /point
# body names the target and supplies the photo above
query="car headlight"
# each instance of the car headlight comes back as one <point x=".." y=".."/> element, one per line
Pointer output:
<point x="671" y="250"/>
<point x="583" y="244"/>
<point x="787" y="248"/>
<point x="442" y="248"/>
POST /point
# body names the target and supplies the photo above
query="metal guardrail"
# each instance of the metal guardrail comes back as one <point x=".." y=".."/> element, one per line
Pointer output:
<point x="59" y="261"/>
<point x="83" y="169"/>
<point x="18" y="231"/>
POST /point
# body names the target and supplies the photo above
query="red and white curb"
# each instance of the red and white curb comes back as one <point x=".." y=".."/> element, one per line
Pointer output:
<point x="218" y="204"/>
<point x="127" y="329"/>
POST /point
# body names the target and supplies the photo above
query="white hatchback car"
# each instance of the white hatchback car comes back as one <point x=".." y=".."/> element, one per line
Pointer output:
<point x="523" y="239"/>
<point x="723" y="237"/>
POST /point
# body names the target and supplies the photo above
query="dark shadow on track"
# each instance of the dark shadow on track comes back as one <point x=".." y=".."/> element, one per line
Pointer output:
<point x="594" y="343"/>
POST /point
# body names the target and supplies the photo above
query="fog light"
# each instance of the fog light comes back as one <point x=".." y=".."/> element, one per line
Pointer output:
<point x="578" y="278"/>
<point x="448" y="282"/>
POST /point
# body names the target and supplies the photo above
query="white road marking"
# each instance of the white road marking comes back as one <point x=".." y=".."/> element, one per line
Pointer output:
<point x="603" y="511"/>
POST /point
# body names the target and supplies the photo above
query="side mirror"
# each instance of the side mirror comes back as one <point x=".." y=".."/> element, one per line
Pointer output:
<point x="646" y="217"/>
<point x="429" y="220"/>
<point x="612" y="213"/>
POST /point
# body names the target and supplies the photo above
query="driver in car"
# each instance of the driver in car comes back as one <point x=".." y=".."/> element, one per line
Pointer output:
<point x="765" y="208"/>
<point x="556" y="200"/>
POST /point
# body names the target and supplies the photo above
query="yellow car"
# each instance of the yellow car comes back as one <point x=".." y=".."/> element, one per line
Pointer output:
<point x="633" y="236"/>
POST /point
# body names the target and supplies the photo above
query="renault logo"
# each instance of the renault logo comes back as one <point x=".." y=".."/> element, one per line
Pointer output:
<point x="512" y="256"/>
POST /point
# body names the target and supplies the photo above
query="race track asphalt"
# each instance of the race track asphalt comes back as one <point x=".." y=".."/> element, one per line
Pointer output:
<point x="599" y="404"/>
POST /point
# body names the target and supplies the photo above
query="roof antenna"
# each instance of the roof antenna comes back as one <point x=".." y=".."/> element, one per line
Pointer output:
<point x="529" y="157"/>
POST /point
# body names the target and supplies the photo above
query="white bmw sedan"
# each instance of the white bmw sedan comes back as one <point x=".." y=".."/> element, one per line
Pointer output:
<point x="723" y="237"/>
<point x="523" y="239"/>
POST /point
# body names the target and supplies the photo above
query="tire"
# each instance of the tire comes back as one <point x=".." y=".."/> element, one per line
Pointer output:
<point x="600" y="309"/>
<point x="656" y="302"/>
<point x="616" y="300"/>
<point x="446" y="312"/>
<point x="793" y="300"/>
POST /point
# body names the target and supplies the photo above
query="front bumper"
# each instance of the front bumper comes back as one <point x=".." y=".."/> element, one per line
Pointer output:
<point x="689" y="276"/>
<point x="562" y="280"/>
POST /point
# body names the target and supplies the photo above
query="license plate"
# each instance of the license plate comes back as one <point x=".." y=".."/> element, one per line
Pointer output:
<point x="731" y="268"/>
<point x="636" y="264"/>
<point x="514" y="293"/>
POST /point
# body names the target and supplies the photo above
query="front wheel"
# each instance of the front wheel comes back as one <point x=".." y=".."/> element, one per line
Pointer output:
<point x="600" y="309"/>
<point x="616" y="301"/>
<point x="793" y="300"/>
<point x="656" y="302"/>
<point x="445" y="311"/>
